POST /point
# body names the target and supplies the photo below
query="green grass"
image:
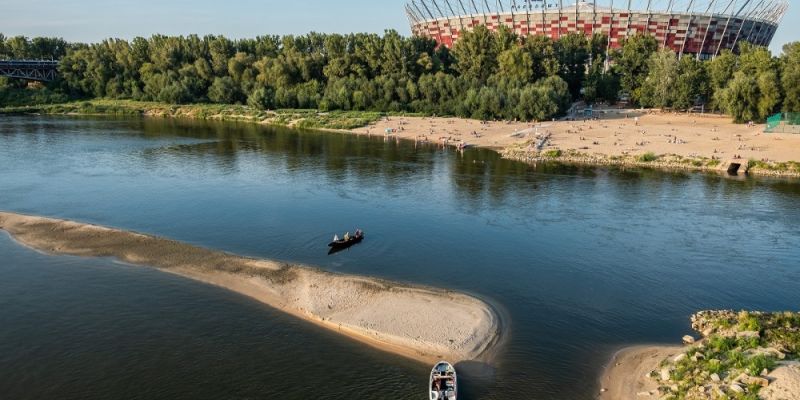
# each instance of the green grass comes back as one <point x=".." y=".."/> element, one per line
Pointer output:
<point x="553" y="153"/>
<point x="648" y="157"/>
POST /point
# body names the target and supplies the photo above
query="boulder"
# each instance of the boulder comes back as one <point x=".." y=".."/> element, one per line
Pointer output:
<point x="679" y="358"/>
<point x="735" y="388"/>
<point x="688" y="339"/>
<point x="715" y="378"/>
<point x="665" y="375"/>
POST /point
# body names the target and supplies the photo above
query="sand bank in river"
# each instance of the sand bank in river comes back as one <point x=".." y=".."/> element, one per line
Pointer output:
<point x="617" y="137"/>
<point x="421" y="323"/>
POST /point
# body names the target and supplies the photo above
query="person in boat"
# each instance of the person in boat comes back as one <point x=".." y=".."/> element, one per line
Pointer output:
<point x="347" y="236"/>
<point x="336" y="238"/>
<point x="358" y="233"/>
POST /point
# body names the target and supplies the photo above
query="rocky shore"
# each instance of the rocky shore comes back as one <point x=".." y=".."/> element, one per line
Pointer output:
<point x="740" y="355"/>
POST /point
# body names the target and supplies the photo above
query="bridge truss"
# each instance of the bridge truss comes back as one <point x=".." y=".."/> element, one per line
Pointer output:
<point x="32" y="70"/>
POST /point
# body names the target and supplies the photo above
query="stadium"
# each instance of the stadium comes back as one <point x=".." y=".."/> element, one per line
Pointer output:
<point x="701" y="28"/>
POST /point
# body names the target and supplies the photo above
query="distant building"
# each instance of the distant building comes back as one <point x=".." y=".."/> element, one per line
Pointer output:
<point x="701" y="28"/>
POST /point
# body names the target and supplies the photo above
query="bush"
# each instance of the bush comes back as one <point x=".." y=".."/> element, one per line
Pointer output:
<point x="553" y="153"/>
<point x="648" y="157"/>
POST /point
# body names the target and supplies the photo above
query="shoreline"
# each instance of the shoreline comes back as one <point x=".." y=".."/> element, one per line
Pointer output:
<point x="398" y="318"/>
<point x="705" y="143"/>
<point x="623" y="377"/>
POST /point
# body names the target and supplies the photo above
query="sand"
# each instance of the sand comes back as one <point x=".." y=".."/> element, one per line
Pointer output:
<point x="422" y="323"/>
<point x="784" y="383"/>
<point x="625" y="375"/>
<point x="617" y="133"/>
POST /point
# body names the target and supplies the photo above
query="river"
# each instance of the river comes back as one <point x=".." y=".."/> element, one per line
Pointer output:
<point x="583" y="260"/>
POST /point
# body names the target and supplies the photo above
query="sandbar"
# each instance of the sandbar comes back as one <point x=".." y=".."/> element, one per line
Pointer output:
<point x="422" y="323"/>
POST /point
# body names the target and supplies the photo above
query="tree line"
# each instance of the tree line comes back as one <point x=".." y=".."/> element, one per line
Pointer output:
<point x="486" y="75"/>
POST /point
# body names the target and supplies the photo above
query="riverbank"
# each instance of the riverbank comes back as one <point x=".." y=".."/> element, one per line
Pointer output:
<point x="619" y="137"/>
<point x="745" y="355"/>
<point x="612" y="137"/>
<point x="303" y="119"/>
<point x="421" y="323"/>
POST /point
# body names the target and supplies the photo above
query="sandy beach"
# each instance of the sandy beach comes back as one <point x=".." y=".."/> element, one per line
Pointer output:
<point x="422" y="323"/>
<point x="625" y="378"/>
<point x="617" y="136"/>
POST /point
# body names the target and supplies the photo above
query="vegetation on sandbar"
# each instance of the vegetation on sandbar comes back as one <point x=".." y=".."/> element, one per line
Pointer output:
<point x="733" y="360"/>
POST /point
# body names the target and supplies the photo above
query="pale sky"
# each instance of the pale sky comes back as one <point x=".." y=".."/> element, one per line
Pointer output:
<point x="94" y="20"/>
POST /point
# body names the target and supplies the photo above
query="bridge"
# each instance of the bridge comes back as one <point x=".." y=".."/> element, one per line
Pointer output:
<point x="32" y="70"/>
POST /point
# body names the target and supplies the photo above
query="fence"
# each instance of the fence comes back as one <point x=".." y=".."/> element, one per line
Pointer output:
<point x="784" y="123"/>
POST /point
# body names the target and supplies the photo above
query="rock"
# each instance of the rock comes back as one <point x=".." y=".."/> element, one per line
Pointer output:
<point x="775" y="352"/>
<point x="741" y="378"/>
<point x="679" y="358"/>
<point x="765" y="372"/>
<point x="688" y="339"/>
<point x="735" y="388"/>
<point x="757" y="380"/>
<point x="748" y="334"/>
<point x="603" y="390"/>
<point x="665" y="375"/>
<point x="644" y="394"/>
<point x="715" y="378"/>
<point x="708" y="332"/>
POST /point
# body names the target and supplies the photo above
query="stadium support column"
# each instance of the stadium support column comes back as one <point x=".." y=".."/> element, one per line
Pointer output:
<point x="594" y="16"/>
<point x="432" y="20"/>
<point x="446" y="20"/>
<point x="460" y="18"/>
<point x="688" y="27"/>
<point x="744" y="20"/>
<point x="708" y="26"/>
<point x="610" y="33"/>
<point x="649" y="17"/>
<point x="725" y="31"/>
<point x="669" y="23"/>
<point x="528" y="15"/>
<point x="560" y="10"/>
<point x="544" y="7"/>
<point x="628" y="22"/>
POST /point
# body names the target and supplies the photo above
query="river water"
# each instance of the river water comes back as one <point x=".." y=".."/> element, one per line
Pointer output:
<point x="583" y="260"/>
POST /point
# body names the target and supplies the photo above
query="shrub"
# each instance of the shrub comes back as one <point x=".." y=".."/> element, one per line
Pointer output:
<point x="648" y="157"/>
<point x="553" y="153"/>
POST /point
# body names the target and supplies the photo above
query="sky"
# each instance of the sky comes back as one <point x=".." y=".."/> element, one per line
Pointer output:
<point x="94" y="20"/>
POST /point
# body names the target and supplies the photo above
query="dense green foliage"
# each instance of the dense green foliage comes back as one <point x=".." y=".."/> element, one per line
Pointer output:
<point x="487" y="75"/>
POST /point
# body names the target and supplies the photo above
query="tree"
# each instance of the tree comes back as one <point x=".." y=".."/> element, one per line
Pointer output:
<point x="790" y="77"/>
<point x="662" y="74"/>
<point x="223" y="90"/>
<point x="515" y="65"/>
<point x="632" y="63"/>
<point x="572" y="52"/>
<point x="691" y="84"/>
<point x="476" y="54"/>
<point x="543" y="55"/>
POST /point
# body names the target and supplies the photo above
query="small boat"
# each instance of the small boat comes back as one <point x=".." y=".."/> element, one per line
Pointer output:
<point x="443" y="384"/>
<point x="339" y="245"/>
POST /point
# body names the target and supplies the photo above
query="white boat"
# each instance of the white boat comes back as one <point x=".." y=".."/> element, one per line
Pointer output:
<point x="443" y="384"/>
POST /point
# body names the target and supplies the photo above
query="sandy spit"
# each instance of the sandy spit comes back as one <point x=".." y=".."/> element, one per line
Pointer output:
<point x="625" y="377"/>
<point x="421" y="323"/>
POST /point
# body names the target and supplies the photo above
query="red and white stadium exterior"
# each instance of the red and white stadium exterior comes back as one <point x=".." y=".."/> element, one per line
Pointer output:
<point x="702" y="28"/>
